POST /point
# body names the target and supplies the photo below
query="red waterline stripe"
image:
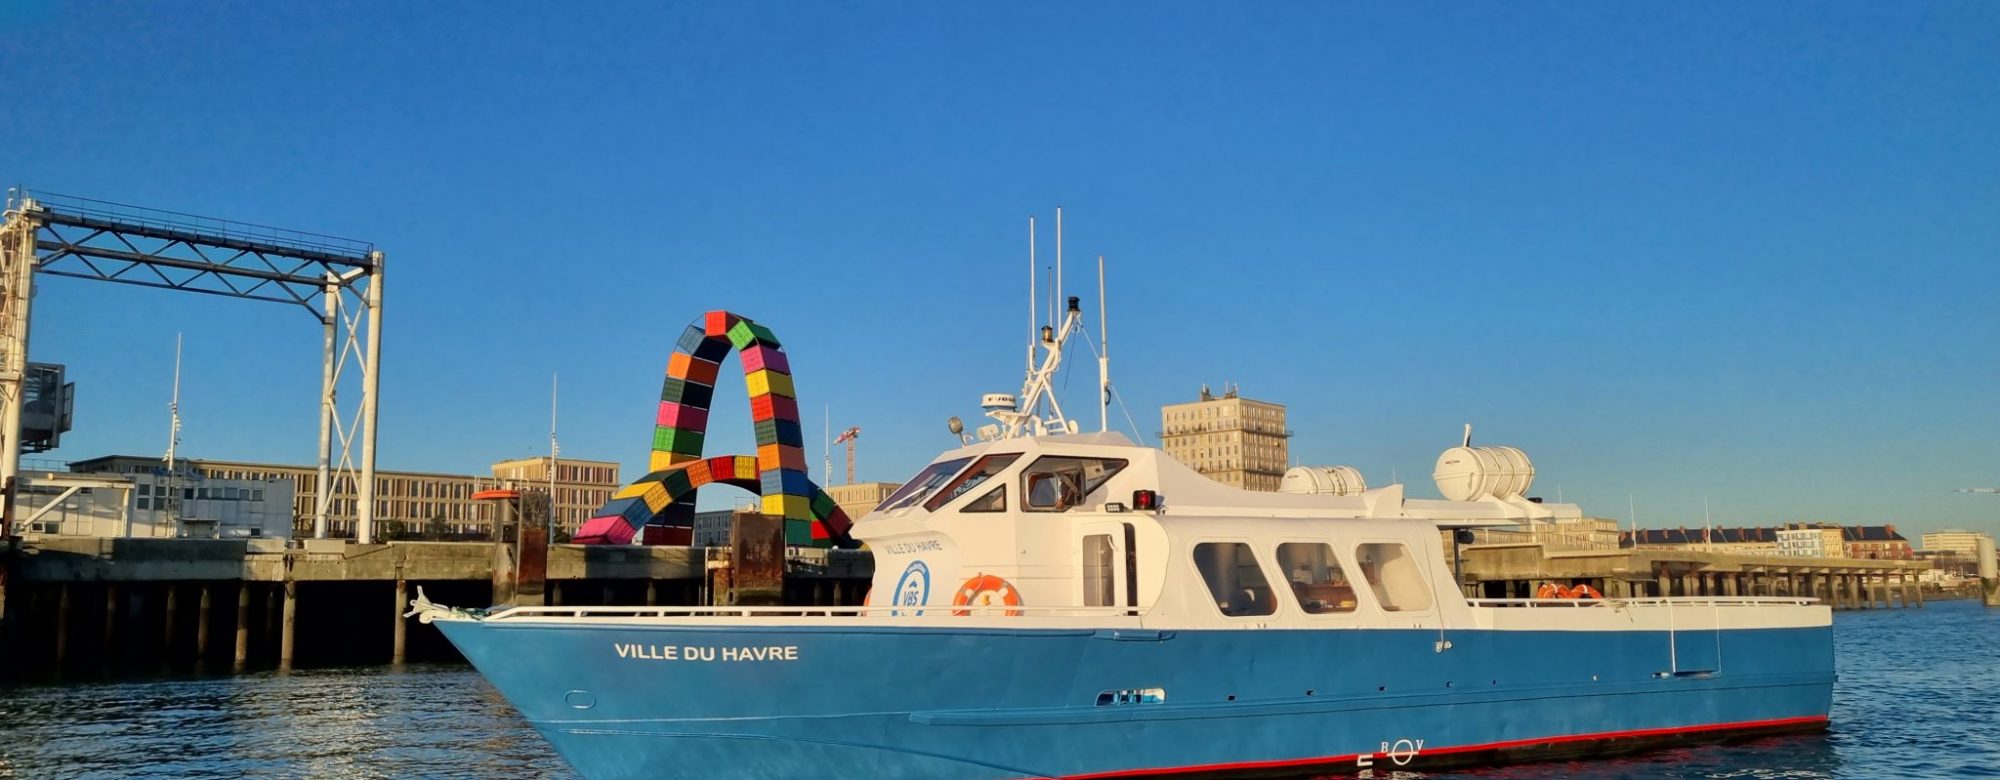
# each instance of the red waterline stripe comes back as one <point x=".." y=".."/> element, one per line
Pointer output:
<point x="1292" y="762"/>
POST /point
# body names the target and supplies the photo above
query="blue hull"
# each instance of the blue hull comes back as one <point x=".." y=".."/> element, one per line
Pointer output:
<point x="812" y="702"/>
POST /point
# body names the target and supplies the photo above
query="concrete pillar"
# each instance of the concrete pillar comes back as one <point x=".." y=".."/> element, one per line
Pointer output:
<point x="286" y="640"/>
<point x="1690" y="584"/>
<point x="1664" y="582"/>
<point x="652" y="593"/>
<point x="242" y="623"/>
<point x="1920" y="594"/>
<point x="173" y="615"/>
<point x="1729" y="586"/>
<point x="62" y="622"/>
<point x="402" y="623"/>
<point x="204" y="613"/>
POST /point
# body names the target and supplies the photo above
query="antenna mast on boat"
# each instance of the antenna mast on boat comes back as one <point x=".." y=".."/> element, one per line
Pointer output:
<point x="173" y="442"/>
<point x="1032" y="294"/>
<point x="1103" y="355"/>
<point x="1022" y="415"/>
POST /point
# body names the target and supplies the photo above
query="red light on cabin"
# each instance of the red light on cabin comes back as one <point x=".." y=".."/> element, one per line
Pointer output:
<point x="1146" y="500"/>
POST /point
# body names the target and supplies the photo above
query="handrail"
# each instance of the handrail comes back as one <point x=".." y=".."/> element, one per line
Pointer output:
<point x="1679" y="601"/>
<point x="928" y="611"/>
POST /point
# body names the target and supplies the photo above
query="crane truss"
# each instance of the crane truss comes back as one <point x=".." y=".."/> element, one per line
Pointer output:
<point x="337" y="280"/>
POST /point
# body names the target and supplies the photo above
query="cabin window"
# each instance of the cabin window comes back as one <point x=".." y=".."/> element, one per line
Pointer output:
<point x="1316" y="577"/>
<point x="995" y="500"/>
<point x="1394" y="576"/>
<point x="923" y="483"/>
<point x="1235" y="580"/>
<point x="982" y="470"/>
<point x="1057" y="483"/>
<point x="1099" y="590"/>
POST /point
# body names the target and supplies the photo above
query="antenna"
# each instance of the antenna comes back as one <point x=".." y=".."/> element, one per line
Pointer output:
<point x="826" y="444"/>
<point x="1468" y="436"/>
<point x="1103" y="355"/>
<point x="1059" y="268"/>
<point x="1708" y="531"/>
<point x="1031" y="316"/>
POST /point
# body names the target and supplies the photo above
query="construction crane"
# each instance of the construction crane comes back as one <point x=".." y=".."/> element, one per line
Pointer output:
<point x="847" y="437"/>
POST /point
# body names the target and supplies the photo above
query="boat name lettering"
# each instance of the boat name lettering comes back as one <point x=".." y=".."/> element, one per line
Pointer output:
<point x="905" y="548"/>
<point x="698" y="653"/>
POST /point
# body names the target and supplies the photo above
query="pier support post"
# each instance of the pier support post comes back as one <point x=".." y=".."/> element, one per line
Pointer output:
<point x="1729" y="584"/>
<point x="110" y="620"/>
<point x="204" y="612"/>
<point x="1664" y="582"/>
<point x="242" y="624"/>
<point x="402" y="624"/>
<point x="173" y="614"/>
<point x="652" y="593"/>
<point x="286" y="639"/>
<point x="62" y="622"/>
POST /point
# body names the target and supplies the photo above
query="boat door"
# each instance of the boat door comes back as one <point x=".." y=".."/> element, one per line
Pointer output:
<point x="1107" y="564"/>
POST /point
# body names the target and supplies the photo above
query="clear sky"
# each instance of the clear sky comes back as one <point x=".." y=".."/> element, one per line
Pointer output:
<point x="1737" y="251"/>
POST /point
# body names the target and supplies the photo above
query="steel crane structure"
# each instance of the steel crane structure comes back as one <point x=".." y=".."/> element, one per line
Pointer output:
<point x="847" y="437"/>
<point x="337" y="280"/>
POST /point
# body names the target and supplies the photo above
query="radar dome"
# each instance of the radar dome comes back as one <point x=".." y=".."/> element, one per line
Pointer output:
<point x="1468" y="473"/>
<point x="1323" y="481"/>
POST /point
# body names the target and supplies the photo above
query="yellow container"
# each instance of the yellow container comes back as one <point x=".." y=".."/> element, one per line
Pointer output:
<point x="768" y="381"/>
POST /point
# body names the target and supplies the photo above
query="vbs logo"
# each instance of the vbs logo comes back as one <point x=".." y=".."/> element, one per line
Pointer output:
<point x="914" y="588"/>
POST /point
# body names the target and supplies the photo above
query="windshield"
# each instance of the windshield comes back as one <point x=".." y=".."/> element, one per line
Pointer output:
<point x="980" y="472"/>
<point x="923" y="483"/>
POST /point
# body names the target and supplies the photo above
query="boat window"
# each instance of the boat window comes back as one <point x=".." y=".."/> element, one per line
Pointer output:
<point x="1393" y="575"/>
<point x="923" y="483"/>
<point x="1057" y="483"/>
<point x="1316" y="578"/>
<point x="982" y="470"/>
<point x="995" y="500"/>
<point x="1098" y="588"/>
<point x="1234" y="579"/>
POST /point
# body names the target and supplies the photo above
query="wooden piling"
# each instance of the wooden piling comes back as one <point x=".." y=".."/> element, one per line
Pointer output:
<point x="242" y="624"/>
<point x="287" y="640"/>
<point x="402" y="624"/>
<point x="205" y="613"/>
<point x="62" y="622"/>
<point x="173" y="615"/>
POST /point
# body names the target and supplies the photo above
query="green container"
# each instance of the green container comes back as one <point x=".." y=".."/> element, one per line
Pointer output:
<point x="798" y="532"/>
<point x="746" y="333"/>
<point x="670" y="439"/>
<point x="823" y="504"/>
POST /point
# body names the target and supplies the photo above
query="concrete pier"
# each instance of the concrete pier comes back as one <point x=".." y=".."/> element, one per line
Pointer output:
<point x="1513" y="570"/>
<point x="321" y="603"/>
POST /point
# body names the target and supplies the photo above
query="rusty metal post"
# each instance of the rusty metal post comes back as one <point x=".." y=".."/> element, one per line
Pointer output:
<point x="756" y="560"/>
<point x="531" y="556"/>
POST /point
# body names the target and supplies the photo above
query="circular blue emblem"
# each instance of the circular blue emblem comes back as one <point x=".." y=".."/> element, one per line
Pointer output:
<point x="913" y="589"/>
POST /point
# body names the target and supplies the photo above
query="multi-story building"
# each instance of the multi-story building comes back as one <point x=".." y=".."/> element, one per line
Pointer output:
<point x="1960" y="543"/>
<point x="1811" y="540"/>
<point x="1742" y="541"/>
<point x="860" y="498"/>
<point x="1231" y="439"/>
<point x="405" y="501"/>
<point x="581" y="486"/>
<point x="1876" y="542"/>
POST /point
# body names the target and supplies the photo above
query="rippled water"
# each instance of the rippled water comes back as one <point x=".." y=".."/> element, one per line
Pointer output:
<point x="1919" y="697"/>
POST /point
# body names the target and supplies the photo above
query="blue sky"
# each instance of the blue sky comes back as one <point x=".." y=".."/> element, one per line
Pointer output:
<point x="1741" y="252"/>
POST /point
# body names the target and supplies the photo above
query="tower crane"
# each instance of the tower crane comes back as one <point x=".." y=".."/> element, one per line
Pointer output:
<point x="847" y="437"/>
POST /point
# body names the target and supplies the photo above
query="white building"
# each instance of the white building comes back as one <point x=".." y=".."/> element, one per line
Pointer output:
<point x="155" y="506"/>
<point x="1961" y="543"/>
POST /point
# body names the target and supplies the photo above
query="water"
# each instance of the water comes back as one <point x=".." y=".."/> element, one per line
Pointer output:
<point x="1917" y="698"/>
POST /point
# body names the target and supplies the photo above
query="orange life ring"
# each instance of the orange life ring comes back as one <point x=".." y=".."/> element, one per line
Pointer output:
<point x="1584" y="591"/>
<point x="1550" y="590"/>
<point x="986" y="590"/>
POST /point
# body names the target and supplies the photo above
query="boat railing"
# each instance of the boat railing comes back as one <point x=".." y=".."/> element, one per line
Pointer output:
<point x="914" y="613"/>
<point x="1674" y="601"/>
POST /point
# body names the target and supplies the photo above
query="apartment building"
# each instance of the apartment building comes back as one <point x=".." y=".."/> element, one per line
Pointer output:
<point x="1230" y="439"/>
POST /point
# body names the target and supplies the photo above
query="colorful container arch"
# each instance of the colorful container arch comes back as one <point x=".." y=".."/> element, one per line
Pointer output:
<point x="665" y="496"/>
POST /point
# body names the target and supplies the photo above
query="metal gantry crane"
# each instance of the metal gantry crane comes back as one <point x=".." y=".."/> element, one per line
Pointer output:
<point x="847" y="437"/>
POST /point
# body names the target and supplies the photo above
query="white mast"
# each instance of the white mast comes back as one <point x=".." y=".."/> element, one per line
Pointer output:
<point x="1103" y="355"/>
<point x="554" y="451"/>
<point x="173" y="444"/>
<point x="826" y="417"/>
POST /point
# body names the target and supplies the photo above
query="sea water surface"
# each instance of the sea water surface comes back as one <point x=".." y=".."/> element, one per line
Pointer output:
<point x="1919" y="697"/>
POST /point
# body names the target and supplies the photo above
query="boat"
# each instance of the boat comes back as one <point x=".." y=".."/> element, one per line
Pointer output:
<point x="1049" y="603"/>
